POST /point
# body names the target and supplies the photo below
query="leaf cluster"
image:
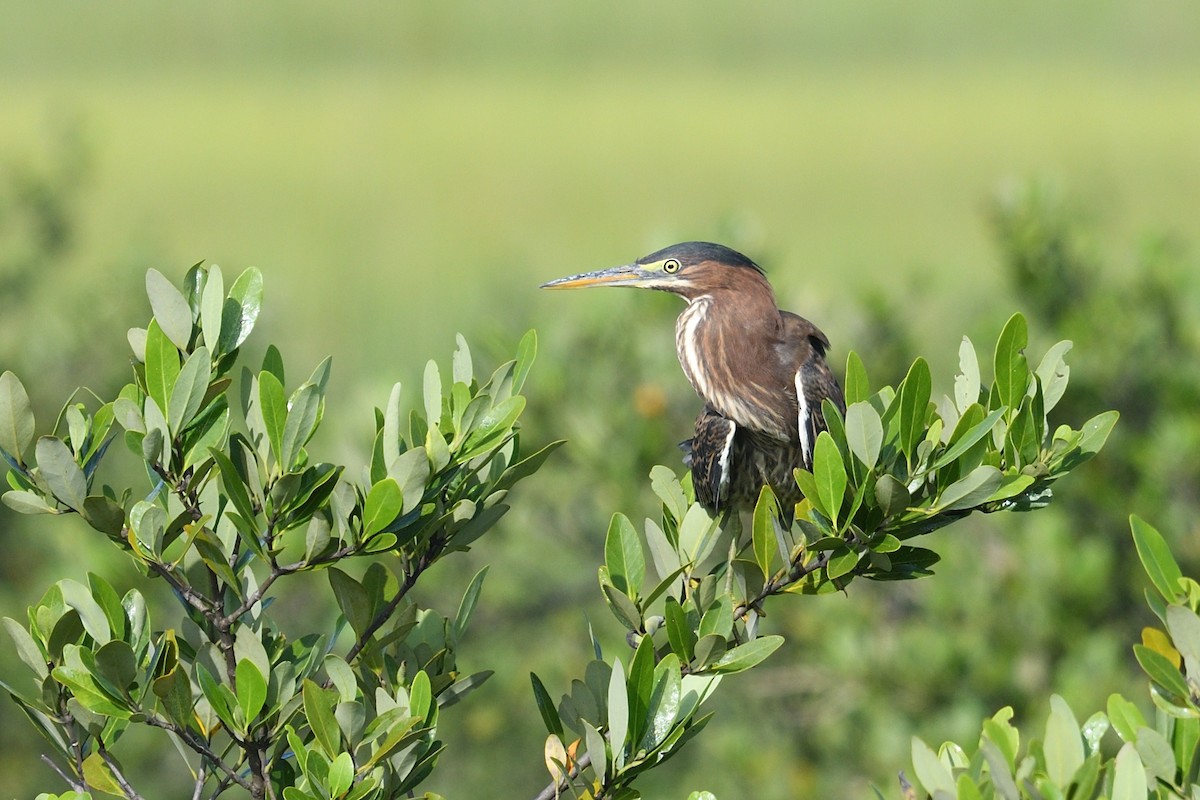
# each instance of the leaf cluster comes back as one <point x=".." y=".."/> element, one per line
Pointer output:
<point x="235" y="503"/>
<point x="896" y="466"/>
<point x="1158" y="758"/>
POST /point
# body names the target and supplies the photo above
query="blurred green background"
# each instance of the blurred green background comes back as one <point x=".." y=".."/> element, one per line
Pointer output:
<point x="405" y="171"/>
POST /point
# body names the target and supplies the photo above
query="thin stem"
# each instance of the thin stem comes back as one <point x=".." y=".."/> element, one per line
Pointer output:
<point x="410" y="579"/>
<point x="74" y="784"/>
<point x="199" y="746"/>
<point x="556" y="787"/>
<point x="111" y="763"/>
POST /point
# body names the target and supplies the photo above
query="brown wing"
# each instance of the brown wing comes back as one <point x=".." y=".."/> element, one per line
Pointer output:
<point x="709" y="456"/>
<point x="802" y="352"/>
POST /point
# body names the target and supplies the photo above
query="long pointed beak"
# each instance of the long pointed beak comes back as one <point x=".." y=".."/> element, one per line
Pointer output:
<point x="627" y="275"/>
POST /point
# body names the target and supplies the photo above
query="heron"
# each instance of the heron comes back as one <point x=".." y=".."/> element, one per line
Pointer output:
<point x="760" y="371"/>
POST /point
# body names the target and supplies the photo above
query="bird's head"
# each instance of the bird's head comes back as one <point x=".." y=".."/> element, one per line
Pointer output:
<point x="689" y="269"/>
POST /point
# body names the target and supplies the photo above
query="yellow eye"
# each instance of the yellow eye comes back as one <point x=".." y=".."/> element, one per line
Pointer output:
<point x="670" y="266"/>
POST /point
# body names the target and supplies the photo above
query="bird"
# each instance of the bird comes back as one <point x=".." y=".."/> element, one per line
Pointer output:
<point x="760" y="371"/>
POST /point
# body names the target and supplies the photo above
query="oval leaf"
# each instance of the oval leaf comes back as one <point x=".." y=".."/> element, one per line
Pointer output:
<point x="16" y="417"/>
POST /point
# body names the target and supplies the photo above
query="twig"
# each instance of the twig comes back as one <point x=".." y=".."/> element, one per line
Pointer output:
<point x="197" y="745"/>
<point x="555" y="788"/>
<point x="111" y="763"/>
<point x="74" y="784"/>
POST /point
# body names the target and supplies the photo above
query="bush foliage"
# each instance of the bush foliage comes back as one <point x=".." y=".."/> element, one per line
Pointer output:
<point x="233" y="507"/>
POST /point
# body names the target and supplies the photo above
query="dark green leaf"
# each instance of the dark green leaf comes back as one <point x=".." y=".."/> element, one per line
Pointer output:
<point x="301" y="422"/>
<point x="1156" y="559"/>
<point x="914" y="404"/>
<point x="1161" y="670"/>
<point x="830" y="475"/>
<point x="891" y="495"/>
<point x="170" y="307"/>
<point x="467" y="606"/>
<point x="766" y="511"/>
<point x="623" y="556"/>
<point x="190" y="387"/>
<point x="1012" y="370"/>
<point x="679" y="631"/>
<point x="382" y="507"/>
<point x="273" y="404"/>
<point x="251" y="689"/>
<point x="746" y="656"/>
<point x="162" y="365"/>
<point x="318" y="709"/>
<point x="546" y="706"/>
<point x="352" y="599"/>
<point x="619" y="603"/>
<point x="16" y="417"/>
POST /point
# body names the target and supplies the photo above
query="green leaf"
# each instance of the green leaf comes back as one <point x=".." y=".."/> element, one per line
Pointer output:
<point x="864" y="433"/>
<point x="967" y="382"/>
<point x="251" y="689"/>
<point x="78" y="597"/>
<point x="526" y="353"/>
<point x="914" y="404"/>
<point x="746" y="656"/>
<point x="972" y="490"/>
<point x="858" y="388"/>
<point x="432" y="393"/>
<point x="1129" y="775"/>
<point x="16" y="417"/>
<point x="891" y="495"/>
<point x="594" y="742"/>
<point x="1161" y="670"/>
<point x="341" y="774"/>
<point x="623" y="556"/>
<point x="964" y="442"/>
<point x="830" y="475"/>
<point x="618" y="713"/>
<point x="1054" y="374"/>
<point x="352" y="599"/>
<point x="162" y="364"/>
<point x="171" y="309"/>
<point x="382" y="507"/>
<point x="931" y="772"/>
<point x="1156" y="559"/>
<point x="273" y="403"/>
<point x="64" y="477"/>
<point x="1012" y="370"/>
<point x="318" y="709"/>
<point x="26" y="503"/>
<point x="99" y="776"/>
<point x="1095" y="432"/>
<point x="664" y="702"/>
<point x="467" y="606"/>
<point x="188" y="392"/>
<point x="1156" y="754"/>
<point x="1063" y="745"/>
<point x="766" y="511"/>
<point x="622" y="607"/>
<point x="301" y="422"/>
<point x="1125" y="717"/>
<point x="238" y="319"/>
<point x="1184" y="627"/>
<point x="679" y="631"/>
<point x="211" y="308"/>
<point x="546" y="706"/>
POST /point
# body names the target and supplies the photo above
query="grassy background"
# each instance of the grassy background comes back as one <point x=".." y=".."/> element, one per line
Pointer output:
<point x="404" y="171"/>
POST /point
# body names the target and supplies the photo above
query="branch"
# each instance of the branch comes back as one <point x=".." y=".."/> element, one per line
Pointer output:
<point x="120" y="778"/>
<point x="410" y="579"/>
<point x="74" y="784"/>
<point x="198" y="745"/>
<point x="781" y="581"/>
<point x="555" y="788"/>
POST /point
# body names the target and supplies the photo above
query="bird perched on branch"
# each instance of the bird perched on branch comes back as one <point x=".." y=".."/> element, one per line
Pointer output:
<point x="760" y="371"/>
